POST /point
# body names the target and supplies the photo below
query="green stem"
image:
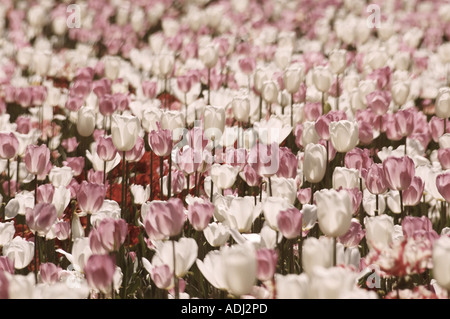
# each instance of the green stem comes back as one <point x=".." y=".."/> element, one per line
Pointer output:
<point x="292" y="110"/>
<point x="402" y="210"/>
<point x="175" y="279"/>
<point x="169" y="178"/>
<point x="18" y="173"/>
<point x="161" y="174"/>
<point x="151" y="175"/>
<point x="209" y="86"/>
<point x="334" y="252"/>
<point x="9" y="178"/>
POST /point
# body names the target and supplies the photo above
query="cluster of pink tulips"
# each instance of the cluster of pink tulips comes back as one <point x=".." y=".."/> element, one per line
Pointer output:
<point x="224" y="149"/>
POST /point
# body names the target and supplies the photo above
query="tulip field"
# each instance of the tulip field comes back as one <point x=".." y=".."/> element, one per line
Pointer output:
<point x="231" y="149"/>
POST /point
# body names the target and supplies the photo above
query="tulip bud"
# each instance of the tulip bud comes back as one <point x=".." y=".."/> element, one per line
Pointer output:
<point x="345" y="178"/>
<point x="41" y="62"/>
<point x="269" y="92"/>
<point x="375" y="179"/>
<point x="209" y="56"/>
<point x="241" y="108"/>
<point x="37" y="159"/>
<point x="106" y="149"/>
<point x="162" y="276"/>
<point x="216" y="234"/>
<point x="443" y="103"/>
<point x="86" y="121"/>
<point x="166" y="64"/>
<point x="338" y="61"/>
<point x="20" y="250"/>
<point x="90" y="197"/>
<point x="292" y="79"/>
<point x="112" y="67"/>
<point x="259" y="79"/>
<point x="413" y="194"/>
<point x="49" y="273"/>
<point x="443" y="185"/>
<point x="200" y="214"/>
<point x="290" y="223"/>
<point x="164" y="218"/>
<point x="441" y="262"/>
<point x="322" y="78"/>
<point x="400" y="92"/>
<point x="344" y="135"/>
<point x="314" y="162"/>
<point x="150" y="118"/>
<point x="214" y="121"/>
<point x="9" y="145"/>
<point x="334" y="211"/>
<point x="124" y="131"/>
<point x="108" y="236"/>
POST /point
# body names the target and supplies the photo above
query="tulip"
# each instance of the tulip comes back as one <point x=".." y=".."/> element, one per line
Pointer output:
<point x="344" y="135"/>
<point x="80" y="253"/>
<point x="418" y="227"/>
<point x="41" y="218"/>
<point x="241" y="268"/>
<point x="108" y="236"/>
<point x="240" y="213"/>
<point x="443" y="185"/>
<point x="107" y="106"/>
<point x="49" y="273"/>
<point x="314" y="163"/>
<point x="334" y="211"/>
<point x="284" y="188"/>
<point x="290" y="223"/>
<point x="164" y="218"/>
<point x="140" y="195"/>
<point x="223" y="176"/>
<point x="444" y="157"/>
<point x="161" y="276"/>
<point x="400" y="92"/>
<point x="124" y="130"/>
<point x="200" y="214"/>
<point x="60" y="176"/>
<point x="90" y="197"/>
<point x="304" y="195"/>
<point x="216" y="234"/>
<point x="441" y="262"/>
<point x="45" y="193"/>
<point x="251" y="176"/>
<point x="214" y="122"/>
<point x="338" y="61"/>
<point x="379" y="231"/>
<point x="6" y="265"/>
<point x="345" y="178"/>
<point x="86" y="121"/>
<point x="99" y="271"/>
<point x="322" y="78"/>
<point x="379" y="101"/>
<point x="269" y="93"/>
<point x="443" y="104"/>
<point x="267" y="263"/>
<point x="413" y="194"/>
<point x="331" y="283"/>
<point x="9" y="145"/>
<point x="353" y="236"/>
<point x="213" y="269"/>
<point x="241" y="108"/>
<point x="36" y="159"/>
<point x="112" y="67"/>
<point x="317" y="253"/>
<point x="20" y="251"/>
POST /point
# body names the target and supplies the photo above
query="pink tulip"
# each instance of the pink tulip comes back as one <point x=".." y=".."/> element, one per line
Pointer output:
<point x="74" y="103"/>
<point x="379" y="101"/>
<point x="178" y="181"/>
<point x="399" y="172"/>
<point x="365" y="132"/>
<point x="106" y="149"/>
<point x="106" y="105"/>
<point x="45" y="193"/>
<point x="189" y="160"/>
<point x="149" y="89"/>
<point x="444" y="157"/>
<point x="436" y="126"/>
<point x="443" y="185"/>
<point x="413" y="194"/>
<point x="138" y="150"/>
<point x="99" y="271"/>
<point x="161" y="142"/>
<point x="290" y="222"/>
<point x="90" y="197"/>
<point x="356" y="198"/>
<point x="95" y="177"/>
<point x="200" y="214"/>
<point x="389" y="126"/>
<point x="49" y="273"/>
<point x="10" y="93"/>
<point x="80" y="88"/>
<point x="70" y="144"/>
<point x="267" y="263"/>
<point x="121" y="101"/>
<point x="304" y="195"/>
<point x="418" y="227"/>
<point x="162" y="276"/>
<point x="164" y="218"/>
<point x="62" y="230"/>
<point x="288" y="163"/>
<point x="86" y="73"/>
<point x="323" y="126"/>
<point x="76" y="164"/>
<point x="37" y="159"/>
<point x="404" y="122"/>
<point x="375" y="179"/>
<point x="236" y="157"/>
<point x="4" y="286"/>
<point x="251" y="176"/>
<point x="24" y="96"/>
<point x="9" y="145"/>
<point x="353" y="236"/>
<point x="108" y="236"/>
<point x="312" y="111"/>
<point x="358" y="159"/>
<point x="41" y="218"/>
<point x="24" y="124"/>
<point x="184" y="83"/>
<point x="247" y="65"/>
<point x="101" y="87"/>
